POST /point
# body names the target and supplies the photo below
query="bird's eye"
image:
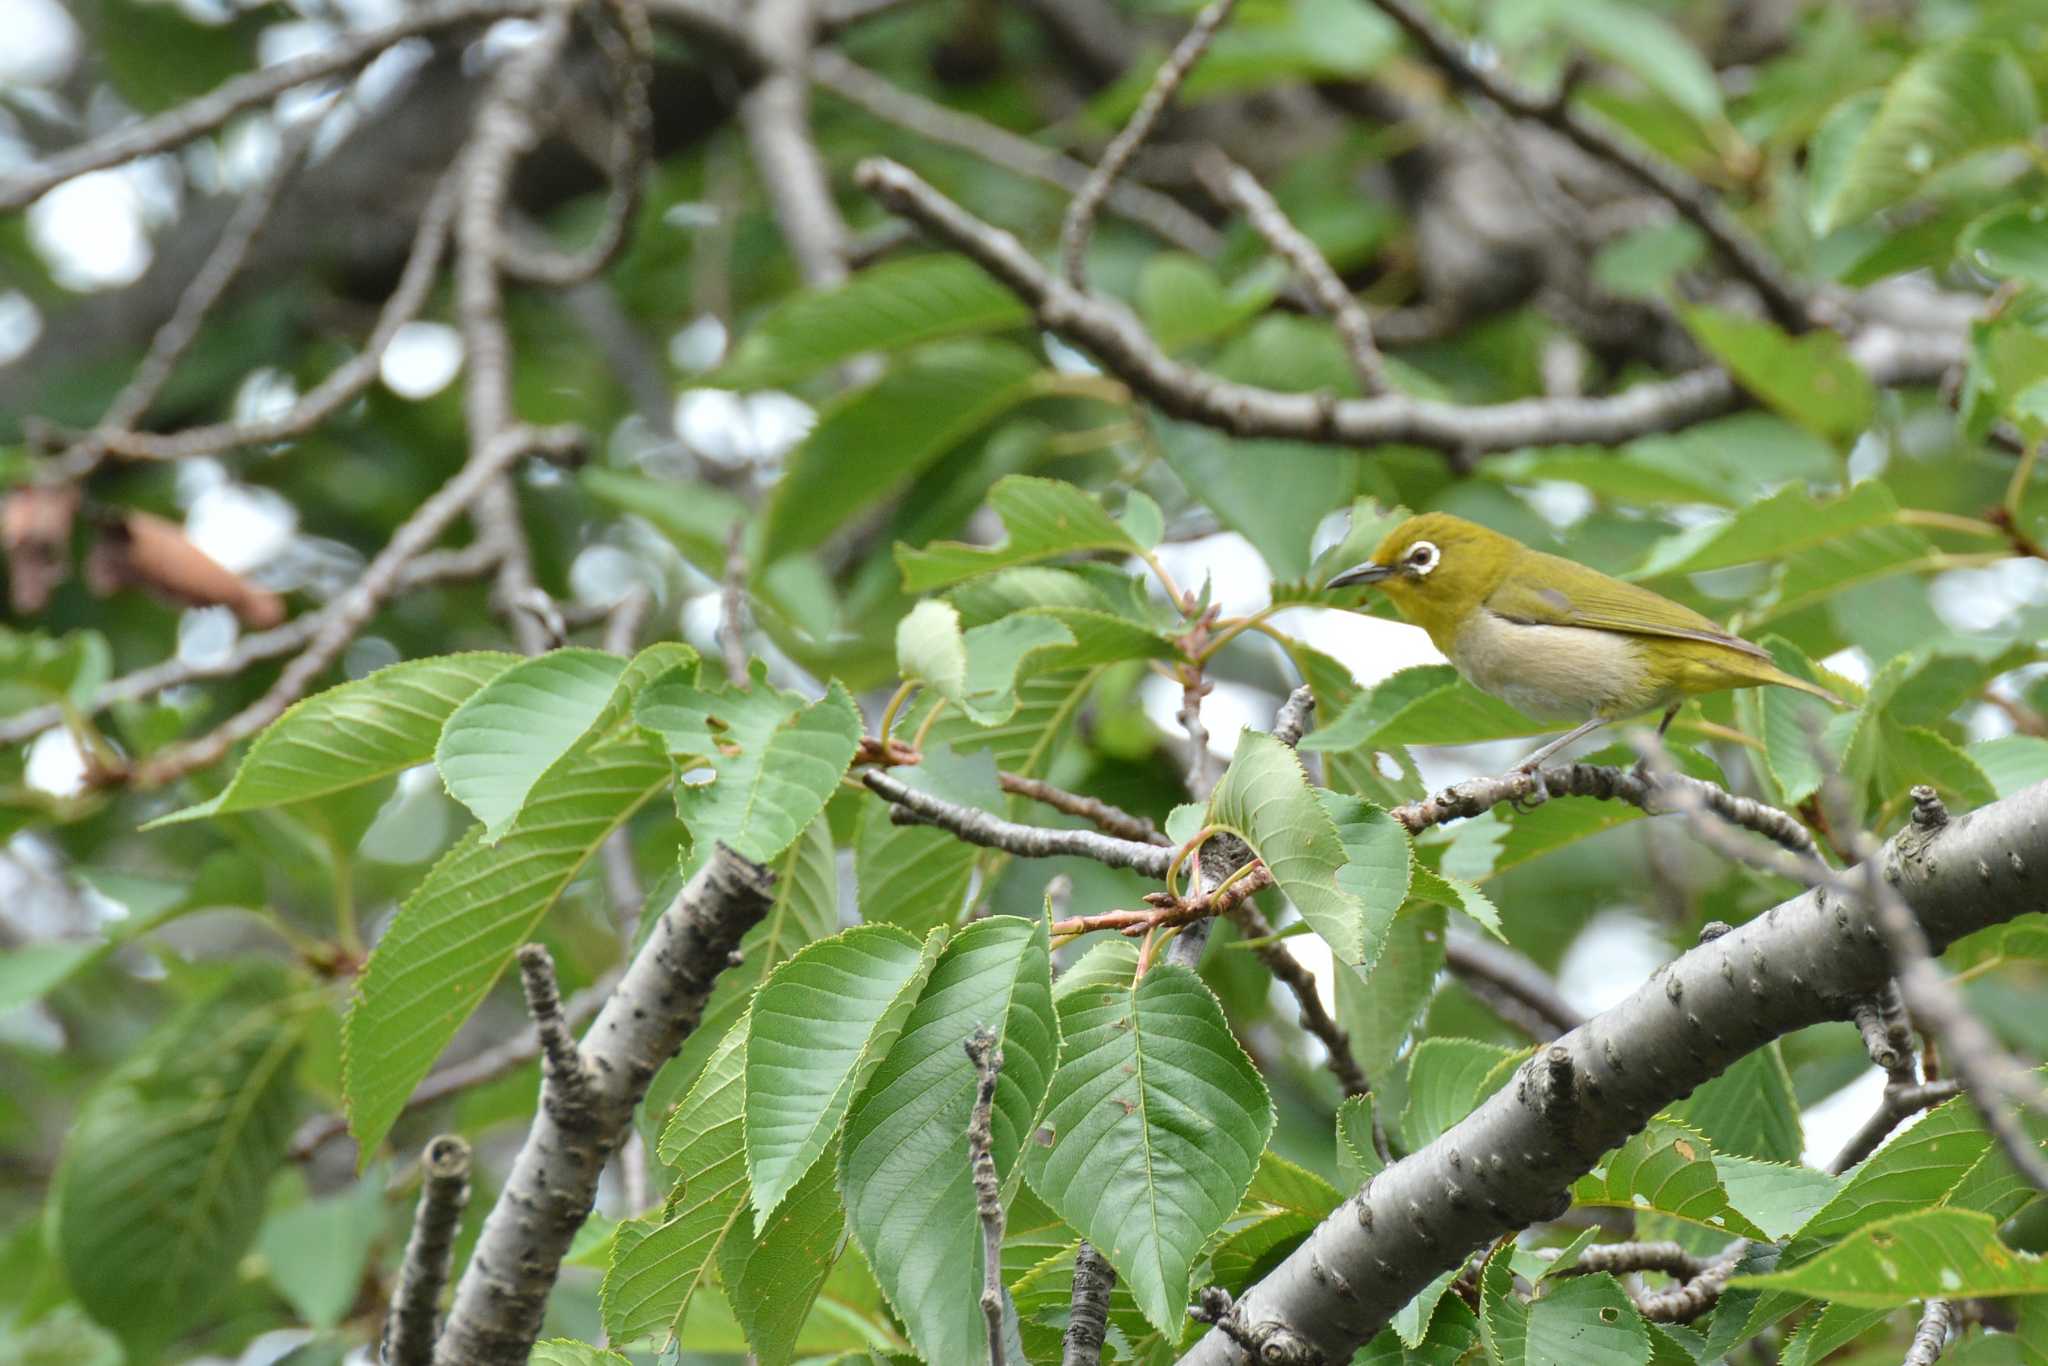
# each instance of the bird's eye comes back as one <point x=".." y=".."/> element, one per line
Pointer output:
<point x="1422" y="557"/>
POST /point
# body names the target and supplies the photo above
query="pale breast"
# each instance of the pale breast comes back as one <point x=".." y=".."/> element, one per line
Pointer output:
<point x="1553" y="673"/>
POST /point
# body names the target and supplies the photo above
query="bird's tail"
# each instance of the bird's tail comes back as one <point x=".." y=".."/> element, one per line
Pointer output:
<point x="1770" y="673"/>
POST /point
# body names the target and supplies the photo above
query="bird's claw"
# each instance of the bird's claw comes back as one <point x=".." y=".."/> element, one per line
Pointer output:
<point x="1535" y="794"/>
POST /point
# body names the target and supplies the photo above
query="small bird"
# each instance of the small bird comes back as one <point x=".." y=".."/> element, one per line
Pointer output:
<point x="1553" y="638"/>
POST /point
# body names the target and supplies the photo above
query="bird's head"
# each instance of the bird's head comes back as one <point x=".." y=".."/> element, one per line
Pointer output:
<point x="1436" y="568"/>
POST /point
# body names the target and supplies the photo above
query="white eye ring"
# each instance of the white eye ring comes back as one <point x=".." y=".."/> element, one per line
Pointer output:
<point x="1422" y="557"/>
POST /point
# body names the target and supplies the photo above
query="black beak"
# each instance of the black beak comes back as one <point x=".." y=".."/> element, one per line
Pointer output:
<point x="1363" y="573"/>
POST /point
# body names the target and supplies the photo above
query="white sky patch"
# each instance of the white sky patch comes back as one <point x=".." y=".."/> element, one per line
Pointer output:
<point x="207" y="635"/>
<point x="1370" y="647"/>
<point x="21" y="322"/>
<point x="239" y="526"/>
<point x="1613" y="955"/>
<point x="1560" y="503"/>
<point x="42" y="42"/>
<point x="1066" y="359"/>
<point x="422" y="359"/>
<point x="55" y="764"/>
<point x="741" y="429"/>
<point x="698" y="345"/>
<point x="1851" y="663"/>
<point x="1236" y="572"/>
<point x="248" y="151"/>
<point x="390" y="70"/>
<point x="1225" y="711"/>
<point x="265" y="394"/>
<point x="90" y="231"/>
<point x="1832" y="1122"/>
<point x="606" y="573"/>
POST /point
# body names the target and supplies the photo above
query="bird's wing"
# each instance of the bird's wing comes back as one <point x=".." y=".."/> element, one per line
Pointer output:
<point x="1573" y="595"/>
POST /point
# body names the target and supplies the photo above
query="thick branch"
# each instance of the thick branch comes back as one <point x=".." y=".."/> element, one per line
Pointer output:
<point x="429" y="1253"/>
<point x="496" y="1315"/>
<point x="1088" y="1319"/>
<point x="1511" y="1162"/>
<point x="776" y="114"/>
<point x="1931" y="1336"/>
<point x="1109" y="332"/>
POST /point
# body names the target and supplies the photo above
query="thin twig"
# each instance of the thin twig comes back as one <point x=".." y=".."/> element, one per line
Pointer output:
<point x="1936" y="1322"/>
<point x="429" y="1253"/>
<point x="342" y="384"/>
<point x="776" y="115"/>
<point x="452" y="1080"/>
<point x="1115" y="338"/>
<point x="1899" y="1102"/>
<point x="1240" y="189"/>
<point x="1111" y="820"/>
<point x="1296" y="712"/>
<point x="1080" y="218"/>
<point x="1160" y="214"/>
<point x="1694" y="1296"/>
<point x="562" y="1068"/>
<point x="988" y="1189"/>
<point x="1025" y="841"/>
<point x="209" y="111"/>
<point x="1496" y="968"/>
<point x="355" y="607"/>
<point x="201" y="296"/>
<point x="1623" y="1258"/>
<point x="1787" y="301"/>
<point x="732" y="607"/>
<point x="1881" y="1021"/>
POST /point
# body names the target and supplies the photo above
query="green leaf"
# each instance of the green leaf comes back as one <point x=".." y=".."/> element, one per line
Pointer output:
<point x="1670" y="1169"/>
<point x="772" y="1277"/>
<point x="1265" y="798"/>
<point x="1917" y="1168"/>
<point x="314" y="1253"/>
<point x="1587" y="1320"/>
<point x="1811" y="379"/>
<point x="1379" y="862"/>
<point x="1428" y="704"/>
<point x="1790" y="723"/>
<point x="868" y="444"/>
<point x="1749" y="1110"/>
<point x="1789" y="520"/>
<point x="2012" y="762"/>
<point x="775" y="760"/>
<point x="1949" y="103"/>
<point x="659" y="1263"/>
<point x="1503" y="1317"/>
<point x="2012" y="241"/>
<point x="1931" y="1254"/>
<point x="1644" y="45"/>
<point x="915" y="876"/>
<point x="698" y="517"/>
<point x="357" y="733"/>
<point x="1778" y="1197"/>
<point x="1459" y="895"/>
<point x="903" y="1164"/>
<point x="162" y="1183"/>
<point x="499" y="742"/>
<point x="1379" y="1009"/>
<point x="458" y="930"/>
<point x="977" y="670"/>
<point x="1157" y="1119"/>
<point x="1043" y="518"/>
<point x="1358" y="1158"/>
<point x="819" y="1028"/>
<point x="1835" y="1326"/>
<point x="1447" y="1078"/>
<point x="1182" y="301"/>
<point x="888" y="307"/>
<point x="569" y="1352"/>
<point x="1274" y="492"/>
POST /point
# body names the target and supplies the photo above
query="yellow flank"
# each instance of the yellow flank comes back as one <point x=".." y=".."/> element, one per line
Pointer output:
<point x="1550" y="636"/>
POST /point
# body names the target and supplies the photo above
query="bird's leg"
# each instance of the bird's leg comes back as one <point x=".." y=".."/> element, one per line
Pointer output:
<point x="1578" y="732"/>
<point x="1670" y="714"/>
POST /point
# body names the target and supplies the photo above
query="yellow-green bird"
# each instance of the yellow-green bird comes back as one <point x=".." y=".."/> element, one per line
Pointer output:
<point x="1552" y="638"/>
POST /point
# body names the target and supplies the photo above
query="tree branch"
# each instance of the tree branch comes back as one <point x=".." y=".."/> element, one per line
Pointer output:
<point x="1783" y="297"/>
<point x="547" y="1195"/>
<point x="429" y="1253"/>
<point x="1511" y="1161"/>
<point x="1936" y="1322"/>
<point x="1088" y="1316"/>
<point x="1496" y="969"/>
<point x="1087" y="202"/>
<point x="1108" y="331"/>
<point x="1025" y="841"/>
<point x="988" y="1187"/>
<point x="776" y="115"/>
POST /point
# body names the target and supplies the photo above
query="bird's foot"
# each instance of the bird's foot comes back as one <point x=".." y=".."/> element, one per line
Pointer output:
<point x="1534" y="793"/>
